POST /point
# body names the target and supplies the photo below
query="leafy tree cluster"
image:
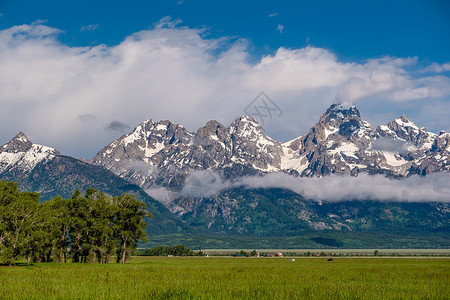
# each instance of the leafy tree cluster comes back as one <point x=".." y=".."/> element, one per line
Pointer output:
<point x="177" y="250"/>
<point x="245" y="253"/>
<point x="86" y="228"/>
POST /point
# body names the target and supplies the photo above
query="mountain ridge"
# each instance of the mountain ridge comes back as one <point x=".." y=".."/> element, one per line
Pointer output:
<point x="341" y="142"/>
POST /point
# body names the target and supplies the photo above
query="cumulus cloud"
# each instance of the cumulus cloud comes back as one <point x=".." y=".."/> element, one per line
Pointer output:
<point x="174" y="72"/>
<point x="431" y="188"/>
<point x="437" y="68"/>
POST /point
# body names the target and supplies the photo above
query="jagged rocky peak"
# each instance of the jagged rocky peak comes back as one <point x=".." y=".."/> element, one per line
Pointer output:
<point x="21" y="154"/>
<point x="170" y="132"/>
<point x="344" y="117"/>
<point x="405" y="130"/>
<point x="156" y="132"/>
<point x="339" y="119"/>
<point x="442" y="141"/>
<point x="337" y="143"/>
<point x="342" y="111"/>
<point x="246" y="127"/>
<point x="19" y="143"/>
<point x="402" y="128"/>
<point x="434" y="159"/>
<point x="405" y="120"/>
<point x="213" y="130"/>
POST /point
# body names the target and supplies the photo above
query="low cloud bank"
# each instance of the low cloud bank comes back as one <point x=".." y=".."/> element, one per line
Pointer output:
<point x="397" y="146"/>
<point x="434" y="187"/>
<point x="431" y="188"/>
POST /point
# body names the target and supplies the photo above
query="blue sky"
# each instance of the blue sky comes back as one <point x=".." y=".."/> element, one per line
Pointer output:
<point x="354" y="30"/>
<point x="390" y="57"/>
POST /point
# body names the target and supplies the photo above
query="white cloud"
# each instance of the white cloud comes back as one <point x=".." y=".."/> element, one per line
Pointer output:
<point x="397" y="146"/>
<point x="272" y="15"/>
<point x="422" y="88"/>
<point x="173" y="72"/>
<point x="431" y="188"/>
<point x="91" y="27"/>
<point x="437" y="68"/>
<point x="280" y="28"/>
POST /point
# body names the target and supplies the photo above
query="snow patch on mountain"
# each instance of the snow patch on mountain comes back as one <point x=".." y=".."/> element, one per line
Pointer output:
<point x="341" y="142"/>
<point x="20" y="153"/>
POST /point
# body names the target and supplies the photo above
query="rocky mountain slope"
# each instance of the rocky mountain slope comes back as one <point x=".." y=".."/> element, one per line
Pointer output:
<point x="43" y="169"/>
<point x="164" y="154"/>
<point x="280" y="212"/>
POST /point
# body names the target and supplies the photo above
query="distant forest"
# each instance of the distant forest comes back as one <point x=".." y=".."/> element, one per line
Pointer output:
<point x="85" y="228"/>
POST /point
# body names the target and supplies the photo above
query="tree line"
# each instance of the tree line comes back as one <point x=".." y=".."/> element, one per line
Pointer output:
<point x="85" y="228"/>
<point x="177" y="250"/>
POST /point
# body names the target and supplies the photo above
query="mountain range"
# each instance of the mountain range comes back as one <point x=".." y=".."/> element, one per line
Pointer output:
<point x="163" y="155"/>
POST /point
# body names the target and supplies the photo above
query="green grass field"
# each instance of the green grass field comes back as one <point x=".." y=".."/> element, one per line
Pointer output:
<point x="232" y="278"/>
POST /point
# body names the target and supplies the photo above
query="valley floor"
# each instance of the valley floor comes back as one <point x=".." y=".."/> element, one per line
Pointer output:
<point x="232" y="278"/>
<point x="317" y="240"/>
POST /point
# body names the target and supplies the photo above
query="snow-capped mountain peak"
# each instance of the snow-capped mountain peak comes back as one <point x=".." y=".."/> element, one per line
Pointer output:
<point x="212" y="130"/>
<point x="19" y="143"/>
<point x="405" y="122"/>
<point x="20" y="153"/>
<point x="161" y="153"/>
<point x="342" y="110"/>
<point x="403" y="129"/>
<point x="248" y="128"/>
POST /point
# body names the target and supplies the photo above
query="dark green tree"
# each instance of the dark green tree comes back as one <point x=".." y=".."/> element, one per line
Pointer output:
<point x="9" y="192"/>
<point x="18" y="219"/>
<point x="129" y="225"/>
<point x="93" y="226"/>
<point x="103" y="212"/>
<point x="57" y="220"/>
<point x="79" y="210"/>
<point x="38" y="244"/>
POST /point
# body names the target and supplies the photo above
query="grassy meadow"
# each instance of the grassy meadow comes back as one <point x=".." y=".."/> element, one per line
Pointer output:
<point x="231" y="278"/>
